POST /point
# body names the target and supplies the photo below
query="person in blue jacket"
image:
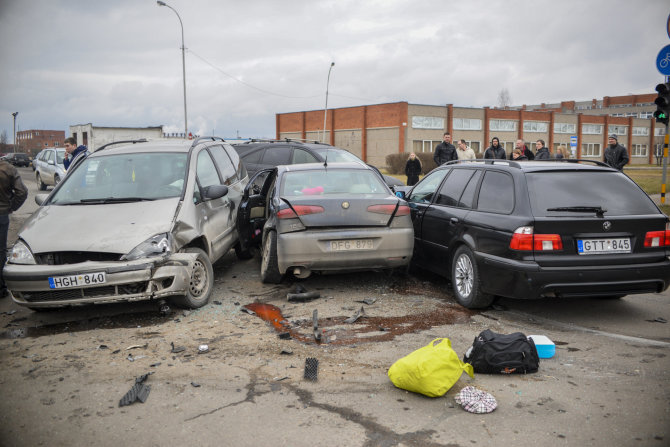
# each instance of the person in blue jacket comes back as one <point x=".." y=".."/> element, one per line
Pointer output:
<point x="72" y="152"/>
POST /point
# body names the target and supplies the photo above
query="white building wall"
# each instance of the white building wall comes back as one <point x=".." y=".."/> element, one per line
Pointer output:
<point x="99" y="136"/>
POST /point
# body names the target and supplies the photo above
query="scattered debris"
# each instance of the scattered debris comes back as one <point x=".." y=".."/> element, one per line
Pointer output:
<point x="360" y="313"/>
<point x="202" y="349"/>
<point x="163" y="307"/>
<point x="475" y="400"/>
<point x="311" y="368"/>
<point x="9" y="312"/>
<point x="139" y="391"/>
<point x="367" y="301"/>
<point x="102" y="347"/>
<point x="153" y="365"/>
<point x="249" y="311"/>
<point x="658" y="320"/>
<point x="301" y="294"/>
<point x="286" y="352"/>
<point x="279" y="379"/>
<point x="144" y="346"/>
<point x="315" y="323"/>
<point x="176" y="349"/>
<point x="186" y="313"/>
<point x="132" y="359"/>
<point x="218" y="303"/>
<point x="285" y="336"/>
<point x="116" y="351"/>
<point x="195" y="385"/>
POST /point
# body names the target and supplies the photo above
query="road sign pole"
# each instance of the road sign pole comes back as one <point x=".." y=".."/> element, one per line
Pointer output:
<point x="665" y="163"/>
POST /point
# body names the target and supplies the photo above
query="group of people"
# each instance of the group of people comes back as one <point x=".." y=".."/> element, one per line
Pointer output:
<point x="616" y="155"/>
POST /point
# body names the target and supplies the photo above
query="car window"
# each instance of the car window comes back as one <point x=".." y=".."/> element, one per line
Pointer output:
<point x="254" y="156"/>
<point x="350" y="182"/>
<point x="468" y="197"/>
<point x="336" y="154"/>
<point x="611" y="191"/>
<point x="42" y="156"/>
<point x="225" y="165"/>
<point x="453" y="187"/>
<point x="496" y="193"/>
<point x="235" y="158"/>
<point x="275" y="156"/>
<point x="302" y="156"/>
<point x="206" y="171"/>
<point x="423" y="192"/>
<point x="50" y="156"/>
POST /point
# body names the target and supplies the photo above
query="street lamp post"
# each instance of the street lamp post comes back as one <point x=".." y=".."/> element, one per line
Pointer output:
<point x="325" y="110"/>
<point x="15" y="145"/>
<point x="183" y="62"/>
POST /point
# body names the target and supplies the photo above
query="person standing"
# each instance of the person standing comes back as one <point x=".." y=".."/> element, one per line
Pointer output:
<point x="12" y="195"/>
<point x="561" y="153"/>
<point x="495" y="150"/>
<point x="518" y="155"/>
<point x="524" y="150"/>
<point x="465" y="152"/>
<point x="615" y="154"/>
<point x="542" y="151"/>
<point x="72" y="152"/>
<point x="412" y="169"/>
<point x="445" y="151"/>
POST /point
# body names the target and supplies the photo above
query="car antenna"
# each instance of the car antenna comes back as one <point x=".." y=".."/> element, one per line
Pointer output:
<point x="325" y="162"/>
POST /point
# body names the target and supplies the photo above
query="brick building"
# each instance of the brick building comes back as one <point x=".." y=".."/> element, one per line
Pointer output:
<point x="374" y="131"/>
<point x="33" y="141"/>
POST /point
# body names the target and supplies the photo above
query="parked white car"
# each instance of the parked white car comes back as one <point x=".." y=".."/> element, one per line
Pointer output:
<point x="49" y="169"/>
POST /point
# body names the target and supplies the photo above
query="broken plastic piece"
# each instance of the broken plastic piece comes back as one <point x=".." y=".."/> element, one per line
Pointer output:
<point x="218" y="303"/>
<point x="195" y="385"/>
<point x="315" y="322"/>
<point x="139" y="391"/>
<point x="356" y="316"/>
<point x="202" y="349"/>
<point x="137" y="346"/>
<point x="311" y="368"/>
<point x="163" y="307"/>
<point x="249" y="311"/>
<point x="305" y="296"/>
<point x="299" y="288"/>
<point x="367" y="301"/>
<point x="286" y="352"/>
<point x="285" y="336"/>
<point x="176" y="349"/>
<point x="658" y="320"/>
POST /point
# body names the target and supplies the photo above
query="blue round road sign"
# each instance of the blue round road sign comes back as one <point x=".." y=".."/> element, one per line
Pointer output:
<point x="663" y="61"/>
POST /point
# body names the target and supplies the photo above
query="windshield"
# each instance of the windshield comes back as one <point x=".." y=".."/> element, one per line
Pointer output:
<point x="337" y="155"/>
<point x="123" y="178"/>
<point x="332" y="181"/>
<point x="561" y="193"/>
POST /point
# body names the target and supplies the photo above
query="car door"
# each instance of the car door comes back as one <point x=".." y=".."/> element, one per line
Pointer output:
<point x="214" y="214"/>
<point x="252" y="213"/>
<point x="49" y="168"/>
<point x="419" y="199"/>
<point x="228" y="171"/>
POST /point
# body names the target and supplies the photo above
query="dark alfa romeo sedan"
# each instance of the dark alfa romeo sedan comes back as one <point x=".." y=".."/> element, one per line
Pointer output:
<point x="538" y="229"/>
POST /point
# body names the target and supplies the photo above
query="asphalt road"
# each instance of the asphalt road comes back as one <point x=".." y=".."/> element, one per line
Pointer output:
<point x="65" y="371"/>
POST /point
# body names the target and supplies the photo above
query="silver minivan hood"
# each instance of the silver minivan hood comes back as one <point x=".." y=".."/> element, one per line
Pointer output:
<point x="109" y="228"/>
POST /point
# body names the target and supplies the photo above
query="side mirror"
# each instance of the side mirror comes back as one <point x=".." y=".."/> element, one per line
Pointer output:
<point x="400" y="194"/>
<point x="40" y="198"/>
<point x="215" y="192"/>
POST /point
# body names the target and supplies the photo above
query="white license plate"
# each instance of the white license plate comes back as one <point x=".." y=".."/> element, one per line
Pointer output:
<point x="83" y="280"/>
<point x="600" y="246"/>
<point x="351" y="244"/>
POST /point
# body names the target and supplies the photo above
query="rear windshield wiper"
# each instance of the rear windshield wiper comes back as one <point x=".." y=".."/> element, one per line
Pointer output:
<point x="115" y="200"/>
<point x="581" y="209"/>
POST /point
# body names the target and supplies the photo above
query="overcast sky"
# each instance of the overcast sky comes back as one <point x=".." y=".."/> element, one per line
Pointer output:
<point x="118" y="62"/>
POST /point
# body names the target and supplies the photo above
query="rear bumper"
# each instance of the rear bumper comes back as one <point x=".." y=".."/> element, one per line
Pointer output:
<point x="392" y="247"/>
<point x="138" y="280"/>
<point x="527" y="280"/>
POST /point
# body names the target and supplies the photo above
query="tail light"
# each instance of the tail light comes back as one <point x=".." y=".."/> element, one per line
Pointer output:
<point x="298" y="210"/>
<point x="657" y="239"/>
<point x="524" y="239"/>
<point x="403" y="210"/>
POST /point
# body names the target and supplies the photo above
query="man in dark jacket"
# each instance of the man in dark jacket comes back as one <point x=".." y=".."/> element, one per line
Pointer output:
<point x="72" y="154"/>
<point x="445" y="151"/>
<point x="542" y="151"/>
<point x="12" y="195"/>
<point x="495" y="150"/>
<point x="615" y="154"/>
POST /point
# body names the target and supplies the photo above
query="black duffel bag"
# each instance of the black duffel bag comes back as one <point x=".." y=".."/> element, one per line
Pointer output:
<point x="493" y="353"/>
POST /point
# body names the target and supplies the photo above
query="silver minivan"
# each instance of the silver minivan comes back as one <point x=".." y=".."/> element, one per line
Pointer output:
<point x="49" y="169"/>
<point x="131" y="222"/>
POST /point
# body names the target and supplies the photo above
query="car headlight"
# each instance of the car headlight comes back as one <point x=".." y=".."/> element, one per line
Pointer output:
<point x="21" y="254"/>
<point x="157" y="245"/>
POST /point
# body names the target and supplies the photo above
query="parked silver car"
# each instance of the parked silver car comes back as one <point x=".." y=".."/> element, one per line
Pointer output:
<point x="49" y="169"/>
<point x="319" y="217"/>
<point x="131" y="222"/>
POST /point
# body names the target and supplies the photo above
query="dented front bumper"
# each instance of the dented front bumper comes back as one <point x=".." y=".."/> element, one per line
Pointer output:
<point x="142" y="279"/>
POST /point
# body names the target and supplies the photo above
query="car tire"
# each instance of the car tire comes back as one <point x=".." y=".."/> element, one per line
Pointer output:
<point x="201" y="282"/>
<point x="56" y="180"/>
<point x="40" y="184"/>
<point x="269" y="263"/>
<point x="243" y="254"/>
<point x="465" y="280"/>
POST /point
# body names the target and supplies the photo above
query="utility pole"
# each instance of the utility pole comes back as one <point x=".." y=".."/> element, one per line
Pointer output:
<point x="15" y="145"/>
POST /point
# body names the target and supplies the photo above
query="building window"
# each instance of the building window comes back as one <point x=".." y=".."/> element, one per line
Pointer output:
<point x="427" y="122"/>
<point x="508" y="146"/>
<point x="565" y="128"/>
<point x="535" y="126"/>
<point x="641" y="131"/>
<point x="592" y="129"/>
<point x="425" y="145"/>
<point x="474" y="145"/>
<point x="659" y="131"/>
<point x="591" y="150"/>
<point x="619" y="130"/>
<point x="502" y="125"/>
<point x="467" y="124"/>
<point x="639" y="150"/>
<point x="646" y="114"/>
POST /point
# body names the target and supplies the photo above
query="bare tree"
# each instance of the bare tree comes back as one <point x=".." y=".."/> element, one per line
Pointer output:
<point x="504" y="99"/>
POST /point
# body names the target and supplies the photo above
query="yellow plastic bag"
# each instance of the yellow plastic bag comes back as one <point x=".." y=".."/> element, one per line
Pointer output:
<point x="430" y="370"/>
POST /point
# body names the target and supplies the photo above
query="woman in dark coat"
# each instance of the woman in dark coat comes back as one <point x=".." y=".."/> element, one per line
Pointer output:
<point x="412" y="169"/>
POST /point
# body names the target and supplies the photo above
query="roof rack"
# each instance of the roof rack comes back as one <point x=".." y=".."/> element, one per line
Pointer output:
<point x="104" y="146"/>
<point x="284" y="140"/>
<point x="516" y="164"/>
<point x="200" y="139"/>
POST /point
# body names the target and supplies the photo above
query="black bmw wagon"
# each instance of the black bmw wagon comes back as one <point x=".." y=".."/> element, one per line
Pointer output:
<point x="538" y="229"/>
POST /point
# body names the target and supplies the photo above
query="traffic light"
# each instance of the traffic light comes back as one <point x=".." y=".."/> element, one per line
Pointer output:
<point x="662" y="103"/>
